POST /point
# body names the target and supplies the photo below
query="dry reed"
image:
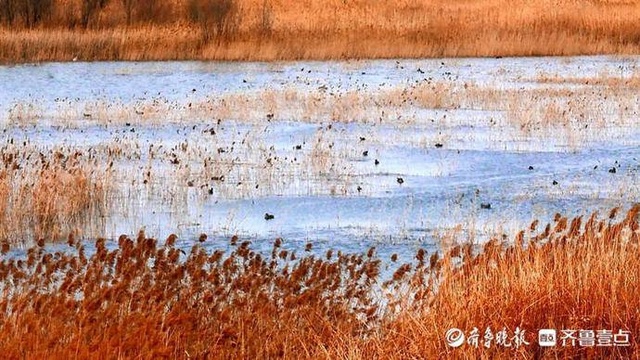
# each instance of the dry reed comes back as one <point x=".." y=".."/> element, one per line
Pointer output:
<point x="47" y="196"/>
<point x="278" y="30"/>
<point x="146" y="300"/>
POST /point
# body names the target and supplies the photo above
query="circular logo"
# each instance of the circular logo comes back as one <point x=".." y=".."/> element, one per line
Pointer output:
<point x="454" y="337"/>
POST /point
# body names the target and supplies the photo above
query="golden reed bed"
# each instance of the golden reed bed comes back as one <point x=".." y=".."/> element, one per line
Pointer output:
<point x="150" y="300"/>
<point x="313" y="29"/>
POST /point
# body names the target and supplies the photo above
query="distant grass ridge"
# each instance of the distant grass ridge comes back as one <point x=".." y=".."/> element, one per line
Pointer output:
<point x="61" y="30"/>
<point x="147" y="300"/>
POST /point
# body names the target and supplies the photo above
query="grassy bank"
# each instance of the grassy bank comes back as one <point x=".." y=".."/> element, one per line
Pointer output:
<point x="280" y="30"/>
<point x="148" y="300"/>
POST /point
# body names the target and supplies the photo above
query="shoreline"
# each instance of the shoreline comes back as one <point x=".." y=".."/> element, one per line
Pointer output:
<point x="178" y="44"/>
<point x="276" y="30"/>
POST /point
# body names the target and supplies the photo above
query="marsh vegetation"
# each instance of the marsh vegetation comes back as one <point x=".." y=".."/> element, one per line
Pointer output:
<point x="149" y="299"/>
<point x="370" y="205"/>
<point x="61" y="30"/>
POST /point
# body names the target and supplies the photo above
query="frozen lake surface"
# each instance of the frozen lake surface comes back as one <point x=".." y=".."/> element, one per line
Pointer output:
<point x="399" y="155"/>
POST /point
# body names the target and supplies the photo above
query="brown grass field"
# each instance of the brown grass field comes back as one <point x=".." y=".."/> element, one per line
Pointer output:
<point x="147" y="300"/>
<point x="331" y="29"/>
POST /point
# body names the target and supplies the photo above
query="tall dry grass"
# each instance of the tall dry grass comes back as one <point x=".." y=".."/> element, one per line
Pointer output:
<point x="336" y="29"/>
<point x="47" y="196"/>
<point x="145" y="300"/>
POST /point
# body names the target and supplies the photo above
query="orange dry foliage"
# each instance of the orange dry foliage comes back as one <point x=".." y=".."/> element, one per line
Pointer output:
<point x="334" y="29"/>
<point x="146" y="300"/>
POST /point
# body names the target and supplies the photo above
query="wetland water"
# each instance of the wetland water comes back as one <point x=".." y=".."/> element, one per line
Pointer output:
<point x="393" y="154"/>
